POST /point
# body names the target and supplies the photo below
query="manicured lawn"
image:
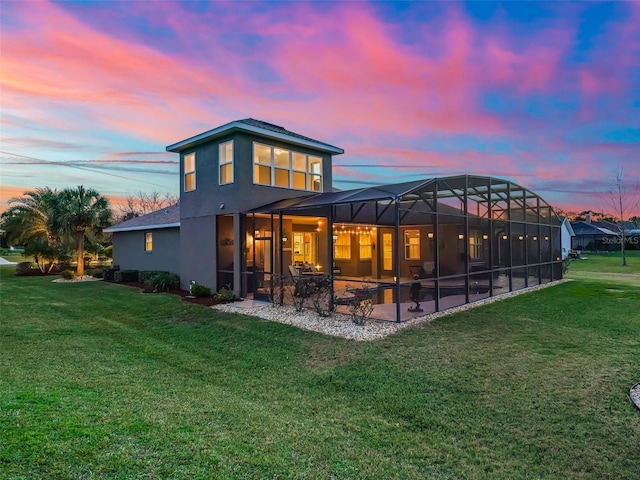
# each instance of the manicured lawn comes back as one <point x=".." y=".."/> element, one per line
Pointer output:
<point x="607" y="266"/>
<point x="99" y="381"/>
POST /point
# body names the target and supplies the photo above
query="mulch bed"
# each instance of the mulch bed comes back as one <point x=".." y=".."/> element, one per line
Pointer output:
<point x="184" y="294"/>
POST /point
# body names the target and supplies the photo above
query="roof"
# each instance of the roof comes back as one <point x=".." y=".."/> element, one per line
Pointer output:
<point x="258" y="127"/>
<point x="391" y="192"/>
<point x="585" y="228"/>
<point x="165" y="218"/>
<point x="567" y="225"/>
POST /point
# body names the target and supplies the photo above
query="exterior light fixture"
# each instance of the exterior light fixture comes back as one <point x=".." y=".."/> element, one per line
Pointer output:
<point x="222" y="206"/>
<point x="546" y="238"/>
<point x="521" y="237"/>
<point x="485" y="237"/>
<point x="430" y="234"/>
<point x="535" y="238"/>
<point x="461" y="236"/>
<point x="504" y="237"/>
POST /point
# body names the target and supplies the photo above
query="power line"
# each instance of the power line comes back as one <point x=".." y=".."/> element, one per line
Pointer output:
<point x="92" y="170"/>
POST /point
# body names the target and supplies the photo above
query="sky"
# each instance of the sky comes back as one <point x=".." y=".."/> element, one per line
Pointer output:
<point x="546" y="94"/>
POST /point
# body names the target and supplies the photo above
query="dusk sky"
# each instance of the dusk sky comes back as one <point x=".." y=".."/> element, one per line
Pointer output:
<point x="546" y="94"/>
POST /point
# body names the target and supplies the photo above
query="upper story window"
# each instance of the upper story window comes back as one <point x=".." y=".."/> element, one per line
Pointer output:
<point x="283" y="168"/>
<point x="189" y="161"/>
<point x="148" y="242"/>
<point x="225" y="160"/>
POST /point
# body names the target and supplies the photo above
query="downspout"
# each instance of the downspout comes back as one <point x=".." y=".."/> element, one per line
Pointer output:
<point x="397" y="257"/>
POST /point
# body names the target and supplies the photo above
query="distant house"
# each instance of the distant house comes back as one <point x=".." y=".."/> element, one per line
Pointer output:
<point x="566" y="235"/>
<point x="595" y="236"/>
<point x="257" y="206"/>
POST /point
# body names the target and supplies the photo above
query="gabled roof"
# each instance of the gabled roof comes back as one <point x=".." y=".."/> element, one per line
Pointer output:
<point x="164" y="218"/>
<point x="257" y="127"/>
<point x="567" y="225"/>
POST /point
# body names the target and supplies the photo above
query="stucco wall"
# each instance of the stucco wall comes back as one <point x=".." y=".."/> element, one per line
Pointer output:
<point x="129" y="252"/>
<point x="198" y="255"/>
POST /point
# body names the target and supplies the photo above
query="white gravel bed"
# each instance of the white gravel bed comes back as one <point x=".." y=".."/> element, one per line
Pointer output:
<point x="83" y="278"/>
<point x="340" y="325"/>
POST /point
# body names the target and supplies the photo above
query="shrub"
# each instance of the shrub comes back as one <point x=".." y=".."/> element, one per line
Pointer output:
<point x="109" y="274"/>
<point x="94" y="272"/>
<point x="163" y="281"/>
<point x="361" y="310"/>
<point x="126" y="276"/>
<point x="144" y="275"/>
<point x="226" y="295"/>
<point x="198" y="290"/>
<point x="23" y="268"/>
<point x="68" y="274"/>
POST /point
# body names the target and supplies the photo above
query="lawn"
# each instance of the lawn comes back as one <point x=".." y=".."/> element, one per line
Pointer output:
<point x="99" y="381"/>
<point x="607" y="266"/>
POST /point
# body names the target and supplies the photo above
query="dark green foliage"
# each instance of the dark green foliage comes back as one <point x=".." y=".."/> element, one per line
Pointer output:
<point x="144" y="275"/>
<point x="24" y="268"/>
<point x="198" y="290"/>
<point x="163" y="281"/>
<point x="109" y="274"/>
<point x="95" y="272"/>
<point x="68" y="274"/>
<point x="126" y="276"/>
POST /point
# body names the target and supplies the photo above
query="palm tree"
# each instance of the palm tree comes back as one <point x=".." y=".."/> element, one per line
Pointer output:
<point x="81" y="211"/>
<point x="32" y="217"/>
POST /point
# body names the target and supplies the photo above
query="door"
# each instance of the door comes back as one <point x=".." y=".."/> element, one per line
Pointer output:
<point x="387" y="252"/>
<point x="263" y="268"/>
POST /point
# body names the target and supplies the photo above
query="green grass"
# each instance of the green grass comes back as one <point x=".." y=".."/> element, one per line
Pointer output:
<point x="607" y="266"/>
<point x="99" y="381"/>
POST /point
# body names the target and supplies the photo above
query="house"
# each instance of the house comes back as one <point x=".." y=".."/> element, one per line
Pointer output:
<point x="595" y="236"/>
<point x="566" y="235"/>
<point x="257" y="207"/>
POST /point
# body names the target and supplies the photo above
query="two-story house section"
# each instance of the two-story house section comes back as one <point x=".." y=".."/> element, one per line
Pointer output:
<point x="228" y="171"/>
<point x="257" y="209"/>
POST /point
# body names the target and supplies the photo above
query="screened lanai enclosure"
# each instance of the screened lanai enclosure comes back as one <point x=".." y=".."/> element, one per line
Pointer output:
<point x="409" y="249"/>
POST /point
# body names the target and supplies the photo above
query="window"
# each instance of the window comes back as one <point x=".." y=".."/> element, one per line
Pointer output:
<point x="189" y="161"/>
<point x="283" y="168"/>
<point x="305" y="247"/>
<point x="476" y="245"/>
<point x="225" y="160"/>
<point x="412" y="244"/>
<point x="148" y="242"/>
<point x="342" y="247"/>
<point x="365" y="246"/>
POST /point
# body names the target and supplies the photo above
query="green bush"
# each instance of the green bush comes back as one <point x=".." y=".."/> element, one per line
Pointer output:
<point x="198" y="290"/>
<point x="126" y="276"/>
<point x="108" y="251"/>
<point x="144" y="275"/>
<point x="163" y="281"/>
<point x="109" y="274"/>
<point x="24" y="268"/>
<point x="68" y="274"/>
<point x="226" y="295"/>
<point x="94" y="272"/>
